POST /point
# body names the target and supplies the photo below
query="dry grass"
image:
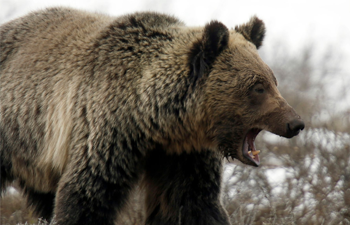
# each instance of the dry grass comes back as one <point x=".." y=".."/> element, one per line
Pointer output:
<point x="13" y="210"/>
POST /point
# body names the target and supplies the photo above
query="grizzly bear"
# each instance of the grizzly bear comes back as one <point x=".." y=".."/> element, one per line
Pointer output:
<point x="91" y="104"/>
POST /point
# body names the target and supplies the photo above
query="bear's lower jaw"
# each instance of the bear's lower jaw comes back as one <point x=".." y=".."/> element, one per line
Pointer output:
<point x="248" y="148"/>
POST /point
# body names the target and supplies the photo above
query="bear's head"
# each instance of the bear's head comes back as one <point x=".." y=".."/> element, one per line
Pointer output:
<point x="240" y="91"/>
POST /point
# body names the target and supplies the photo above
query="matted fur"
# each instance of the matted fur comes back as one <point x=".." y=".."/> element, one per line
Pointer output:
<point x="89" y="103"/>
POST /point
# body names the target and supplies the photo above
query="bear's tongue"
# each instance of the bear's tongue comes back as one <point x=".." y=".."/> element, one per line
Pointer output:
<point x="249" y="150"/>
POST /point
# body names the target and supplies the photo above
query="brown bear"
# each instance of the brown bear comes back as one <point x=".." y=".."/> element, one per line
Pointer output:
<point x="90" y="104"/>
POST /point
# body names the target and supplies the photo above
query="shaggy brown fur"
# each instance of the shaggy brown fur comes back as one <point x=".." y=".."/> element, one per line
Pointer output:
<point x="91" y="102"/>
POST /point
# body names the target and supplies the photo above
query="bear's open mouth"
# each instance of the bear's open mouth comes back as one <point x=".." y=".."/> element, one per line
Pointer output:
<point x="249" y="150"/>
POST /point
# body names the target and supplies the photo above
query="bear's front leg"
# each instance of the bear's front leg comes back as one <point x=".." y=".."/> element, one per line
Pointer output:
<point x="184" y="189"/>
<point x="96" y="186"/>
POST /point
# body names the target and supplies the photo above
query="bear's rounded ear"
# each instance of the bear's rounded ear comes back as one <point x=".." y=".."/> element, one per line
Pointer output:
<point x="253" y="31"/>
<point x="215" y="39"/>
<point x="204" y="51"/>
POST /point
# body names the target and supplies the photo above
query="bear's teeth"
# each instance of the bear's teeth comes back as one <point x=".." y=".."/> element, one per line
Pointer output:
<point x="256" y="152"/>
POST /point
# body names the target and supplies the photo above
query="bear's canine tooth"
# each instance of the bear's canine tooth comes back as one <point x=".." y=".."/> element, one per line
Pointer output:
<point x="256" y="152"/>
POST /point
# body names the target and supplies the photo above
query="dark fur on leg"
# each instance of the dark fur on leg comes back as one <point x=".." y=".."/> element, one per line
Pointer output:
<point x="184" y="189"/>
<point x="42" y="203"/>
<point x="95" y="203"/>
<point x="5" y="165"/>
<point x="87" y="195"/>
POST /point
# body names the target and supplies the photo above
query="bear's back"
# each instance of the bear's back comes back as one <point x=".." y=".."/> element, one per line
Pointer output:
<point x="48" y="29"/>
<point x="55" y="29"/>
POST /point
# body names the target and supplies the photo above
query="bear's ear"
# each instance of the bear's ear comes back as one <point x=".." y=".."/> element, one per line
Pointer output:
<point x="214" y="40"/>
<point x="253" y="31"/>
<point x="204" y="51"/>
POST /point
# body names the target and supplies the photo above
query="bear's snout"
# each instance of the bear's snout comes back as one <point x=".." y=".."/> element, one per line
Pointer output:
<point x="294" y="127"/>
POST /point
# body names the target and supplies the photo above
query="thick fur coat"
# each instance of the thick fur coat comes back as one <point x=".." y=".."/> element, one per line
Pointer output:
<point x="92" y="103"/>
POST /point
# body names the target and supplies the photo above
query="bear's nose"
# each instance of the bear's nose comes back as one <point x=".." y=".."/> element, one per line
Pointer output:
<point x="294" y="127"/>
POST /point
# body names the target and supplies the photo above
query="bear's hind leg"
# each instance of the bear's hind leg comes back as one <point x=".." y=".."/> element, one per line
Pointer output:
<point x="5" y="165"/>
<point x="42" y="203"/>
<point x="184" y="189"/>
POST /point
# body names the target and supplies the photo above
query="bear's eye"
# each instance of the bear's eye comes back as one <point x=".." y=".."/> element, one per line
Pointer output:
<point x="259" y="90"/>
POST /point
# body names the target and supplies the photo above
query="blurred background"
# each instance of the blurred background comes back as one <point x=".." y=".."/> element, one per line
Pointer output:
<point x="305" y="180"/>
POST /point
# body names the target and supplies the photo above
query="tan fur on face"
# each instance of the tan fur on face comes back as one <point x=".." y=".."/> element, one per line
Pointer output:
<point x="230" y="97"/>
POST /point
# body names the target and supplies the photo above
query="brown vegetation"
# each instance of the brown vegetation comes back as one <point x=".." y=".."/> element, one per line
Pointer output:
<point x="310" y="173"/>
